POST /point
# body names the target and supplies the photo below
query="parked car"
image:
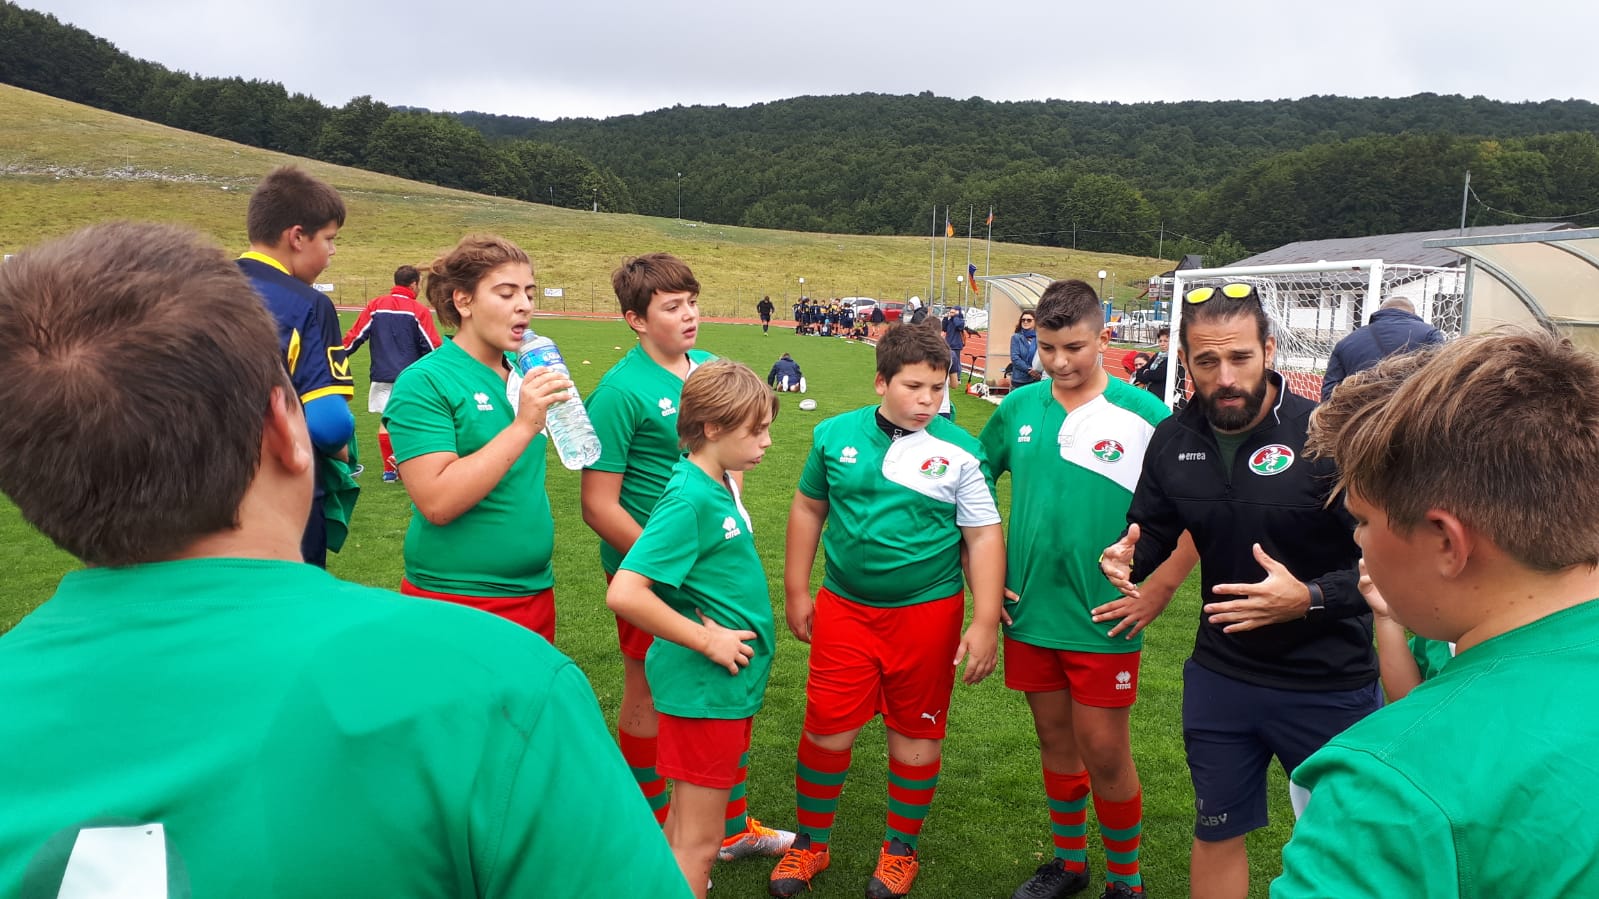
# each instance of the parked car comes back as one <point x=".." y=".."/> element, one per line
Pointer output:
<point x="861" y="305"/>
<point x="892" y="310"/>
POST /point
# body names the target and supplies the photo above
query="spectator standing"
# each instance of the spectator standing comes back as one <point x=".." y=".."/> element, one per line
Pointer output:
<point x="400" y="330"/>
<point x="1024" y="352"/>
<point x="1394" y="328"/>
<point x="955" y="335"/>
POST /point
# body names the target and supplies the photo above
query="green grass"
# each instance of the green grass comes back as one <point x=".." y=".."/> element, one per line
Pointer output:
<point x="988" y="828"/>
<point x="64" y="166"/>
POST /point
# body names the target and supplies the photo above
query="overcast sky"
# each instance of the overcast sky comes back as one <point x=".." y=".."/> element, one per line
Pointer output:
<point x="611" y="57"/>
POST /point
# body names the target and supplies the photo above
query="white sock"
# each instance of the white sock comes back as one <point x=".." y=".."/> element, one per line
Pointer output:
<point x="802" y="384"/>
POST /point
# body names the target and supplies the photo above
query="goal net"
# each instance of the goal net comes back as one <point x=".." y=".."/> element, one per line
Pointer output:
<point x="1313" y="306"/>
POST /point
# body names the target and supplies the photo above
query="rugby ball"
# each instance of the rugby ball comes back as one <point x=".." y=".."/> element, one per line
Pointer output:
<point x="807" y="405"/>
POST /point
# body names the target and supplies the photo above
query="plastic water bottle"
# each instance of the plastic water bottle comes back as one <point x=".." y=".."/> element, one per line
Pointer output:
<point x="567" y="421"/>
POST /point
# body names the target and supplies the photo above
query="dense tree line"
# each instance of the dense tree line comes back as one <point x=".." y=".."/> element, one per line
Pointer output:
<point x="39" y="53"/>
<point x="1219" y="178"/>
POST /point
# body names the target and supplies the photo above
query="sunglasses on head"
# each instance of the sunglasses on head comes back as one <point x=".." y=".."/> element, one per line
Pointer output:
<point x="1234" y="291"/>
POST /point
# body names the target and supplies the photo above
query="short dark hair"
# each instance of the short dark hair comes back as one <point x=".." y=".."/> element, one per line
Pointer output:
<point x="406" y="276"/>
<point x="472" y="257"/>
<point x="1065" y="303"/>
<point x="1165" y="331"/>
<point x="136" y="368"/>
<point x="906" y="344"/>
<point x="286" y="197"/>
<point x="638" y="280"/>
<point x="1221" y="307"/>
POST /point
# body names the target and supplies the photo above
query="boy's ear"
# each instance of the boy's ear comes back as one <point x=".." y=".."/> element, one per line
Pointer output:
<point x="634" y="321"/>
<point x="1451" y="541"/>
<point x="713" y="431"/>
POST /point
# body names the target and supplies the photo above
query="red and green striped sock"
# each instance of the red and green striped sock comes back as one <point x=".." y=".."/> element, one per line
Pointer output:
<point x="639" y="753"/>
<point x="1068" y="816"/>
<point x="818" y="782"/>
<point x="910" y="795"/>
<point x="1121" y="826"/>
<point x="737" y="816"/>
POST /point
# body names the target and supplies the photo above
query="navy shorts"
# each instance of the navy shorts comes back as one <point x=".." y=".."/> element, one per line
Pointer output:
<point x="1232" y="729"/>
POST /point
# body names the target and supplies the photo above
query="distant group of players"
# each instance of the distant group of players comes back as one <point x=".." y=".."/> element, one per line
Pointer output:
<point x="199" y="711"/>
<point x="834" y="319"/>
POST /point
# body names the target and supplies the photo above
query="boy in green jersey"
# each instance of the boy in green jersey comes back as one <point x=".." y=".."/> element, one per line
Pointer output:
<point x="902" y="493"/>
<point x="198" y="712"/>
<point x="1074" y="444"/>
<point x="694" y="579"/>
<point x="1477" y="520"/>
<point x="634" y="410"/>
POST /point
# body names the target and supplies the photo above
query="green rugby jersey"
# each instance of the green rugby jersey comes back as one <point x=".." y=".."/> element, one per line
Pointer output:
<point x="634" y="411"/>
<point x="237" y="727"/>
<point x="1072" y="479"/>
<point x="1473" y="785"/>
<point x="699" y="549"/>
<point x="449" y="402"/>
<point x="1430" y="655"/>
<point x="896" y="507"/>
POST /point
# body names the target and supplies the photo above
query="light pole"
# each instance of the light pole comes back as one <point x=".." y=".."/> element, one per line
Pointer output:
<point x="596" y="199"/>
<point x="680" y="196"/>
<point x="802" y="288"/>
<point x="1101" y="285"/>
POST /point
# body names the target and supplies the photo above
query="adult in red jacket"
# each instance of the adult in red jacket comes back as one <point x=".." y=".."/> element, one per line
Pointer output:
<point x="401" y="331"/>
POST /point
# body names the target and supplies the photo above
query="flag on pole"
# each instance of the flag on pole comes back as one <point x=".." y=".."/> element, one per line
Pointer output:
<point x="949" y="229"/>
<point x="971" y="277"/>
<point x="990" y="221"/>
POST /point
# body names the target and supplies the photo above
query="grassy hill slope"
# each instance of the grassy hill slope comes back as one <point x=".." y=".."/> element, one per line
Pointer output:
<point x="63" y="166"/>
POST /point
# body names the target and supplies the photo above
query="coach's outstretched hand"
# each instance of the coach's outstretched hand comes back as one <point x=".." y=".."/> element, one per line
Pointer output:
<point x="980" y="648"/>
<point x="1116" y="563"/>
<point x="1279" y="597"/>
<point x="726" y="647"/>
<point x="1132" y="613"/>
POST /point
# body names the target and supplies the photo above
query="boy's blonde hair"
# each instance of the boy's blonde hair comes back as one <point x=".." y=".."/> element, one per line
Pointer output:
<point x="1499" y="429"/>
<point x="723" y="393"/>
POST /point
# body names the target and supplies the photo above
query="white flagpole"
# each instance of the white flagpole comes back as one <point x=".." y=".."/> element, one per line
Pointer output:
<point x="943" y="277"/>
<point x="932" y="253"/>
<point x="988" y="250"/>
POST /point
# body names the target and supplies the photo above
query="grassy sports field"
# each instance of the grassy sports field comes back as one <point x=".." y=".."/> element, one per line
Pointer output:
<point x="988" y="828"/>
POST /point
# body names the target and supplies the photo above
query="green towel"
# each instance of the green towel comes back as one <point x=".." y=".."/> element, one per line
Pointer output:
<point x="341" y="491"/>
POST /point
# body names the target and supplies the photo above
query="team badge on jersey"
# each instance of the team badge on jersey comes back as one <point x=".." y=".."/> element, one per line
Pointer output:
<point x="730" y="528"/>
<point x="1024" y="434"/>
<point x="1109" y="451"/>
<point x="935" y="467"/>
<point x="848" y="455"/>
<point x="1270" y="460"/>
<point x="666" y="407"/>
<point x="483" y="404"/>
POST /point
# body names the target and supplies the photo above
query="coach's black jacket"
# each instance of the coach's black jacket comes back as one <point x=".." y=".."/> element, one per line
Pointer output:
<point x="1283" y="507"/>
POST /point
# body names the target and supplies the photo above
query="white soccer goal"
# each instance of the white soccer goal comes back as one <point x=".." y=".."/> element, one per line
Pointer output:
<point x="1314" y="305"/>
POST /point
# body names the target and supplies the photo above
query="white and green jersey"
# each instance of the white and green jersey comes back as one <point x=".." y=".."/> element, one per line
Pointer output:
<point x="1072" y="479"/>
<point x="896" y="507"/>
<point x="699" y="549"/>
<point x="236" y="727"/>
<point x="634" y="411"/>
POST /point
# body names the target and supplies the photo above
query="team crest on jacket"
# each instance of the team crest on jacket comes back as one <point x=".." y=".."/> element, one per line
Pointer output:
<point x="935" y="467"/>
<point x="1109" y="451"/>
<point x="1270" y="460"/>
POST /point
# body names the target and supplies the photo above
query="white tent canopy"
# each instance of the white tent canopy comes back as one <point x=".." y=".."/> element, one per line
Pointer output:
<point x="1548" y="278"/>
<point x="1016" y="293"/>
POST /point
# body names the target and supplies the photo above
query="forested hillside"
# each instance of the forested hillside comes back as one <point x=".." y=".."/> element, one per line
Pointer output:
<point x="1222" y="178"/>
